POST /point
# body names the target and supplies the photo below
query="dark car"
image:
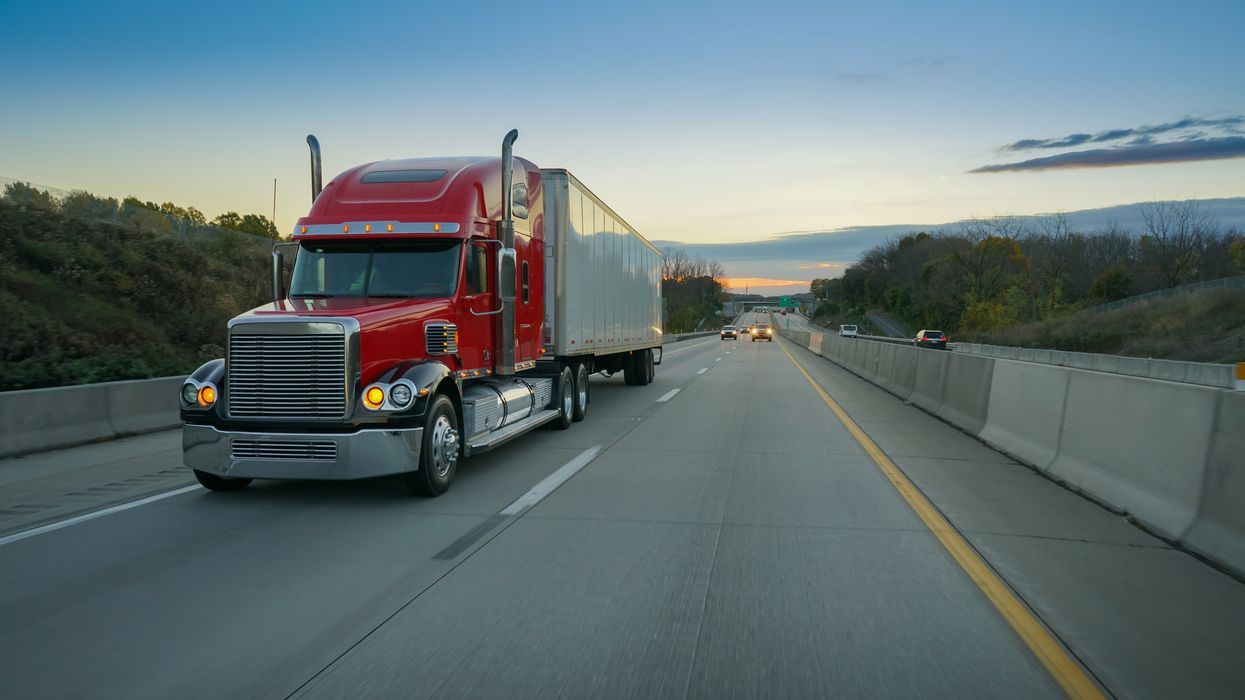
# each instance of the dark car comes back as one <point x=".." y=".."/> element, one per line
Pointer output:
<point x="762" y="331"/>
<point x="930" y="339"/>
<point x="729" y="333"/>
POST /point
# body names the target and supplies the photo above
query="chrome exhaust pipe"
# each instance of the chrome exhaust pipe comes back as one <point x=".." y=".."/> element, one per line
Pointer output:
<point x="506" y="264"/>
<point x="317" y="173"/>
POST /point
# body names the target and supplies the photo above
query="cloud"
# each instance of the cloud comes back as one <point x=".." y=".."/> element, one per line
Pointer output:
<point x="1230" y="124"/>
<point x="1140" y="154"/>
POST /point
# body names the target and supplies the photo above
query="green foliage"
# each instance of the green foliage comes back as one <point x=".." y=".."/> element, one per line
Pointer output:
<point x="995" y="273"/>
<point x="89" y="300"/>
<point x="1114" y="283"/>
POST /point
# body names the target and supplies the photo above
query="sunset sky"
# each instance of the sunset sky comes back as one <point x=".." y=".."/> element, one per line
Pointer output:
<point x="702" y="123"/>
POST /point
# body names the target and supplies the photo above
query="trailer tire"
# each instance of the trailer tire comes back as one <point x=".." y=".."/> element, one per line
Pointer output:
<point x="565" y="400"/>
<point x="641" y="368"/>
<point x="582" y="394"/>
<point x="439" y="452"/>
<point x="220" y="483"/>
<point x="650" y="367"/>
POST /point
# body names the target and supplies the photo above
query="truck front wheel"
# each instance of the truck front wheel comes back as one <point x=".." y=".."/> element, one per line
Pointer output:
<point x="438" y="455"/>
<point x="220" y="483"/>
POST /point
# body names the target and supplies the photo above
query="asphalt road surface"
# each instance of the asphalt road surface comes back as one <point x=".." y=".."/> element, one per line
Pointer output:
<point x="719" y="533"/>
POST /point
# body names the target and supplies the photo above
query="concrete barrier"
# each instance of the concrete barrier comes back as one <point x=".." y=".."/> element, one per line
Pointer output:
<point x="1025" y="411"/>
<point x="814" y="342"/>
<point x="966" y="391"/>
<point x="1139" y="444"/>
<point x="45" y="419"/>
<point x="886" y="367"/>
<point x="931" y="375"/>
<point x="1219" y="531"/>
<point x="903" y="374"/>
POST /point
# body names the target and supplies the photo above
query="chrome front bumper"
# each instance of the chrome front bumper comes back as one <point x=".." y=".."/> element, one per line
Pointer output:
<point x="359" y="455"/>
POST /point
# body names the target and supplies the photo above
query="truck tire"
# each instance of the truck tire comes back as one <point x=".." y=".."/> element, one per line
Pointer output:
<point x="643" y="374"/>
<point x="629" y="369"/>
<point x="438" y="455"/>
<point x="220" y="483"/>
<point x="650" y="366"/>
<point x="582" y="395"/>
<point x="565" y="400"/>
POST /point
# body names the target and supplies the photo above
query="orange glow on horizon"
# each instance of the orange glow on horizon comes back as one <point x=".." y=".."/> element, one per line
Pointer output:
<point x="738" y="284"/>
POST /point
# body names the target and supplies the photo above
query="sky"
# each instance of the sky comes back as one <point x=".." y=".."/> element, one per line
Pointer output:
<point x="700" y="123"/>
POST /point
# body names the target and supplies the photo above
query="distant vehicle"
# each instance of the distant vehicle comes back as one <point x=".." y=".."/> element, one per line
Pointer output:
<point x="930" y="339"/>
<point x="762" y="332"/>
<point x="848" y="330"/>
<point x="751" y="330"/>
<point x="762" y="309"/>
<point x="784" y="312"/>
<point x="729" y="333"/>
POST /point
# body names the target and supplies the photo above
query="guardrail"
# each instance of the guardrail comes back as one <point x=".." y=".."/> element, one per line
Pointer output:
<point x="35" y="420"/>
<point x="1169" y="455"/>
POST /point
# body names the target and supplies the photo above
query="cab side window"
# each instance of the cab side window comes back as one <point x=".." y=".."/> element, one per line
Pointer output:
<point x="477" y="269"/>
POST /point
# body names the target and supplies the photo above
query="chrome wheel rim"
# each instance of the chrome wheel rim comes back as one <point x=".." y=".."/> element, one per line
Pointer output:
<point x="582" y="393"/>
<point x="568" y="398"/>
<point x="444" y="446"/>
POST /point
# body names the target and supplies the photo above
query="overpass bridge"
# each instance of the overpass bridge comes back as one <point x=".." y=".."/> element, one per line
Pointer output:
<point x="757" y="522"/>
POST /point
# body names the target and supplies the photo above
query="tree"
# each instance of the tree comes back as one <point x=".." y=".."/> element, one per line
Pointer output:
<point x="24" y="195"/>
<point x="1176" y="233"/>
<point x="1114" y="283"/>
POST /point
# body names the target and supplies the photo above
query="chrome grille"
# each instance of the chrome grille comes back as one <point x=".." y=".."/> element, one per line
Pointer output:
<point x="287" y="376"/>
<point x="314" y="450"/>
<point x="441" y="338"/>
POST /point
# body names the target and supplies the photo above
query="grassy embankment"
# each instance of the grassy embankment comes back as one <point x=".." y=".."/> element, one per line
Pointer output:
<point x="1202" y="326"/>
<point x="88" y="301"/>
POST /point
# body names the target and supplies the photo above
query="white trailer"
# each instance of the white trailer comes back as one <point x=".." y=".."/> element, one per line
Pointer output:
<point x="602" y="279"/>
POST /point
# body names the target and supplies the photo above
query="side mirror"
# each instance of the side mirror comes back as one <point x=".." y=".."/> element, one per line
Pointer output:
<point x="507" y="275"/>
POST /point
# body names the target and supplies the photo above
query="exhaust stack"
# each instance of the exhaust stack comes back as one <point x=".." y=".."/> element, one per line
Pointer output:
<point x="317" y="173"/>
<point x="506" y="277"/>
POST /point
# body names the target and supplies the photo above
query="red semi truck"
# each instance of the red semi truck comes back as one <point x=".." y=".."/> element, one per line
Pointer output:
<point x="438" y="307"/>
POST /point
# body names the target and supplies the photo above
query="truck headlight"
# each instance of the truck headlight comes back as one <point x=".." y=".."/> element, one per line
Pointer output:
<point x="400" y="395"/>
<point x="190" y="394"/>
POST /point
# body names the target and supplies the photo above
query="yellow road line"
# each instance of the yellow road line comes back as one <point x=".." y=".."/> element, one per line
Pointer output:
<point x="1065" y="669"/>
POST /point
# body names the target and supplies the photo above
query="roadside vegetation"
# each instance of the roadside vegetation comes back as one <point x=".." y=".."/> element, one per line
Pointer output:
<point x="693" y="290"/>
<point x="1010" y="277"/>
<point x="99" y="290"/>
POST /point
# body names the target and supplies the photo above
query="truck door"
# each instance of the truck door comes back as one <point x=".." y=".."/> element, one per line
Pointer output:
<point x="476" y="323"/>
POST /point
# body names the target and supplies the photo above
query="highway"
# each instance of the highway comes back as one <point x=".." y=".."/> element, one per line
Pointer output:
<point x="722" y="532"/>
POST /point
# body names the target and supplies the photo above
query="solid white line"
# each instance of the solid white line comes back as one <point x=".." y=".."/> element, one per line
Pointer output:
<point x="703" y="370"/>
<point x="551" y="482"/>
<point x="52" y="527"/>
<point x="668" y="395"/>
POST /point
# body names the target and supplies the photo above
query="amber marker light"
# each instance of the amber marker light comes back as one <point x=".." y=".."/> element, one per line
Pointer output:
<point x="304" y="229"/>
<point x="345" y="228"/>
<point x="436" y="228"/>
<point x="374" y="397"/>
<point x="389" y="228"/>
<point x="207" y="396"/>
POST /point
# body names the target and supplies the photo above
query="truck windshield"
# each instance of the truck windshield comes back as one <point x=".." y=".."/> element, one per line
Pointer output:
<point x="393" y="268"/>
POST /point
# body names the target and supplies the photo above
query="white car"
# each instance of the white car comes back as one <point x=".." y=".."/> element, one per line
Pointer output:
<point x="848" y="330"/>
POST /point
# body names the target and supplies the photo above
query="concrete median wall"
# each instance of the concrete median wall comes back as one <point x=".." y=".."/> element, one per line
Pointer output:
<point x="1170" y="455"/>
<point x="1139" y="444"/>
<point x="44" y="419"/>
<point x="1024" y="414"/>
<point x="1218" y="532"/>
<point x="1201" y="373"/>
<point x="966" y="391"/>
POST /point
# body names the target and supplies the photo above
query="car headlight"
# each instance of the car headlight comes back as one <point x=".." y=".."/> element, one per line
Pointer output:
<point x="400" y="395"/>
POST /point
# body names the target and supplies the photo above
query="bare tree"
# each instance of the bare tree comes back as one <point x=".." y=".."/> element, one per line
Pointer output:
<point x="1176" y="235"/>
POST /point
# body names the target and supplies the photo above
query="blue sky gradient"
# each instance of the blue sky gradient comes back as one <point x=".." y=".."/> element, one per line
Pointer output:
<point x="699" y="122"/>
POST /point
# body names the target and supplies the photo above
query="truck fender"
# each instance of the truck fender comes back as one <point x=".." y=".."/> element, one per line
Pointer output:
<point x="427" y="376"/>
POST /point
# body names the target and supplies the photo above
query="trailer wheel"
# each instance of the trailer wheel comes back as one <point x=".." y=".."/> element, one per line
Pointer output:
<point x="641" y="368"/>
<point x="220" y="483"/>
<point x="581" y="391"/>
<point x="438" y="455"/>
<point x="565" y="400"/>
